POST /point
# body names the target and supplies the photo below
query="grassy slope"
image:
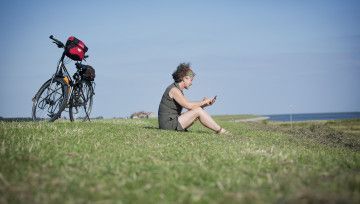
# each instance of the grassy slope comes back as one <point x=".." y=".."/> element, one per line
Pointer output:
<point x="132" y="161"/>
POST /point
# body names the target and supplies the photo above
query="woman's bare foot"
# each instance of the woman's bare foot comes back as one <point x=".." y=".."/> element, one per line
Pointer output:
<point x="222" y="131"/>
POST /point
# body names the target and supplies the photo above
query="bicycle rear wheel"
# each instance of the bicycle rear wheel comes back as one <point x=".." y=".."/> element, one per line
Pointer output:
<point x="81" y="101"/>
<point x="50" y="100"/>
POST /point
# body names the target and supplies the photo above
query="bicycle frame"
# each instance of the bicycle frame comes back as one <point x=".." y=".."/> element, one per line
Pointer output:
<point x="71" y="84"/>
<point x="60" y="73"/>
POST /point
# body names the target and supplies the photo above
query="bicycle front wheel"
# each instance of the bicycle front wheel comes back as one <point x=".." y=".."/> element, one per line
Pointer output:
<point x="50" y="100"/>
<point x="81" y="101"/>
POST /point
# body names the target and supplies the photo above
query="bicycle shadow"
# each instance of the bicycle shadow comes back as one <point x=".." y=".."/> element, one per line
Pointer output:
<point x="16" y="119"/>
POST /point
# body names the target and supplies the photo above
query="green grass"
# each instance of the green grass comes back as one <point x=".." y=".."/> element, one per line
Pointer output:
<point x="131" y="161"/>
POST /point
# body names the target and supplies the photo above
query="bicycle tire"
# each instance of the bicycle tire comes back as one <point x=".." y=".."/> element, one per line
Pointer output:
<point x="81" y="105"/>
<point x="50" y="100"/>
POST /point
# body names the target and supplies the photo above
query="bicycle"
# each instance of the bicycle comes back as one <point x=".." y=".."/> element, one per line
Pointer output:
<point x="62" y="91"/>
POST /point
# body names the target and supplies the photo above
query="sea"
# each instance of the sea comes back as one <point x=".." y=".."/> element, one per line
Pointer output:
<point x="313" y="116"/>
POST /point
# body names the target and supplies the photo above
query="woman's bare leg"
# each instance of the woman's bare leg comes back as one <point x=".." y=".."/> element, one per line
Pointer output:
<point x="188" y="118"/>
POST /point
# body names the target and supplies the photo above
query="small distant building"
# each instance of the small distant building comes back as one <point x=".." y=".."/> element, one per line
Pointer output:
<point x="153" y="115"/>
<point x="142" y="114"/>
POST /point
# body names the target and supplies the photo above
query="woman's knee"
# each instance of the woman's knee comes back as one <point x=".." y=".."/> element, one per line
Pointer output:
<point x="200" y="111"/>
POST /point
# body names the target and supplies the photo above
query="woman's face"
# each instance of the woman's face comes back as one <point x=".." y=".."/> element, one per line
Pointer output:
<point x="188" y="81"/>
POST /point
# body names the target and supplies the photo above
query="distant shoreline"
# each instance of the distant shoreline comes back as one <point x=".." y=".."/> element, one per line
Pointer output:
<point x="257" y="119"/>
<point x="313" y="116"/>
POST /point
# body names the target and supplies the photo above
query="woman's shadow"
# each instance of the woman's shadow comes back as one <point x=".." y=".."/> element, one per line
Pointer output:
<point x="185" y="131"/>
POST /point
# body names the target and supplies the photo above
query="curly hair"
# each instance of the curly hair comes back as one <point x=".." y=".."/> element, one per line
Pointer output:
<point x="181" y="71"/>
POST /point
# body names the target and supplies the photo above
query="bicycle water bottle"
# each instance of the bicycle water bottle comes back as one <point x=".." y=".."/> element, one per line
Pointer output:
<point x="67" y="82"/>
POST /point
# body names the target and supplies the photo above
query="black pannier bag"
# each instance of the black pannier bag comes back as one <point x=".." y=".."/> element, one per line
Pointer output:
<point x="75" y="49"/>
<point x="88" y="72"/>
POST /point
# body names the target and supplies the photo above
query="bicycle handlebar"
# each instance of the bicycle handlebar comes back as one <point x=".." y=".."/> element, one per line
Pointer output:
<point x="61" y="45"/>
<point x="57" y="42"/>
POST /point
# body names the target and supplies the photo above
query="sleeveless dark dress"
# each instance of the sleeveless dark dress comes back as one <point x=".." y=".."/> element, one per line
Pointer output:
<point x="169" y="111"/>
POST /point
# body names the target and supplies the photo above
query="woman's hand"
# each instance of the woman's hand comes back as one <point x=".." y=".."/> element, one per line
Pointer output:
<point x="213" y="100"/>
<point x="207" y="102"/>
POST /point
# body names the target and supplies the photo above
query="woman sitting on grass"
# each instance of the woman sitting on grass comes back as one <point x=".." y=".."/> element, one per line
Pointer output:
<point x="173" y="101"/>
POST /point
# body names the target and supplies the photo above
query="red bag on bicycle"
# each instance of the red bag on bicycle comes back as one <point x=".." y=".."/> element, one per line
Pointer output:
<point x="75" y="49"/>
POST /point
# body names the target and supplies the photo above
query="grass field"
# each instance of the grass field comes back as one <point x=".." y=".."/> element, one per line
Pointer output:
<point x="131" y="161"/>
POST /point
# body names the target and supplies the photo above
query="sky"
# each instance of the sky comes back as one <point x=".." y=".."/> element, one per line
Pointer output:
<point x="258" y="57"/>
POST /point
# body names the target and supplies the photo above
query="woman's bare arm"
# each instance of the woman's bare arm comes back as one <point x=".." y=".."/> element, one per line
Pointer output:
<point x="176" y="94"/>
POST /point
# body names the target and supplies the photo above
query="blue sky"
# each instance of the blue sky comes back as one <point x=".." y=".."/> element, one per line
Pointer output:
<point x="259" y="57"/>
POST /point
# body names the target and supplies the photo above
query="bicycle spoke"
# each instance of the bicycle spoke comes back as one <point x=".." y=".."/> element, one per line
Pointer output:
<point x="49" y="101"/>
<point x="82" y="102"/>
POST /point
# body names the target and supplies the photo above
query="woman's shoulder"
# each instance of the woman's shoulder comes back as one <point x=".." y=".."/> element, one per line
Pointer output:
<point x="169" y="87"/>
<point x="175" y="91"/>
